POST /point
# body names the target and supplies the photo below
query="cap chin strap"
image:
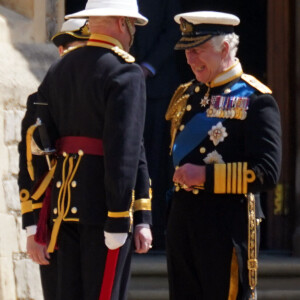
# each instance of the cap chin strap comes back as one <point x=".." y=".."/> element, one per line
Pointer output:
<point x="130" y="30"/>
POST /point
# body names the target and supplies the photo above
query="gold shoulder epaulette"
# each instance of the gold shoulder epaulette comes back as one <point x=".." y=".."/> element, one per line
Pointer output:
<point x="70" y="49"/>
<point x="176" y="109"/>
<point x="125" y="55"/>
<point x="177" y="97"/>
<point x="256" y="83"/>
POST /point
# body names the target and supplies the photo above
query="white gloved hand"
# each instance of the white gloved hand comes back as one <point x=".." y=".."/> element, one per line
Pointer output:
<point x="114" y="240"/>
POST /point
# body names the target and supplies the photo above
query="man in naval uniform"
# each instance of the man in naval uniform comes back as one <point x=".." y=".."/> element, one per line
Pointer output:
<point x="226" y="148"/>
<point x="92" y="104"/>
<point x="73" y="34"/>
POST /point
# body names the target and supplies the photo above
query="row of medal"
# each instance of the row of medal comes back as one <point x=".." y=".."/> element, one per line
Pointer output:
<point x="228" y="107"/>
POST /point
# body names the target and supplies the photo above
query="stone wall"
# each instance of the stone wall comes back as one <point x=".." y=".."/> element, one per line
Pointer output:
<point x="23" y="64"/>
<point x="24" y="8"/>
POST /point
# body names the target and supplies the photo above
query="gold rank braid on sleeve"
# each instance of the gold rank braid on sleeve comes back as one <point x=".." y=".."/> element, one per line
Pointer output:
<point x="232" y="178"/>
<point x="177" y="109"/>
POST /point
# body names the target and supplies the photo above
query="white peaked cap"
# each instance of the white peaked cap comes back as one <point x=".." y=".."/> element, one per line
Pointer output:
<point x="208" y="17"/>
<point x="72" y="25"/>
<point x="200" y="26"/>
<point x="101" y="8"/>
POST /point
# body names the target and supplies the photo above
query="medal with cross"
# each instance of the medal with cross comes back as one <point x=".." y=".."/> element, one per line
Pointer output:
<point x="205" y="100"/>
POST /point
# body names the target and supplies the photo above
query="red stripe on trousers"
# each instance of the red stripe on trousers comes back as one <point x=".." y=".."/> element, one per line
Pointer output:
<point x="109" y="274"/>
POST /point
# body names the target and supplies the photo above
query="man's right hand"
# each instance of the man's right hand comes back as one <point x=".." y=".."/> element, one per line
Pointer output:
<point x="37" y="252"/>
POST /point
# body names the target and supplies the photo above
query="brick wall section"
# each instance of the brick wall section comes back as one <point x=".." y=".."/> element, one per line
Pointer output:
<point x="23" y="65"/>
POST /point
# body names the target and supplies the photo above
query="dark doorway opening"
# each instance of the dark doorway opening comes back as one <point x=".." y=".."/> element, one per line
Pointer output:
<point x="72" y="6"/>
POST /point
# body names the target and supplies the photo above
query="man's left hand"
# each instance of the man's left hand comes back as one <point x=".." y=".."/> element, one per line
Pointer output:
<point x="190" y="175"/>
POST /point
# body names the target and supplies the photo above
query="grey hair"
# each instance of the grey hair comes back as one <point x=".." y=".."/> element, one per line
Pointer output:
<point x="232" y="39"/>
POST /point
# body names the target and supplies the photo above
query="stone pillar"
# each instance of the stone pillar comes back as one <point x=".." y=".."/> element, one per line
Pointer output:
<point x="47" y="20"/>
<point x="60" y="13"/>
<point x="39" y="24"/>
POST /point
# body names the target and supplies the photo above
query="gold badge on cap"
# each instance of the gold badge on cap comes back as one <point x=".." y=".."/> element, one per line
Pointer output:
<point x="185" y="26"/>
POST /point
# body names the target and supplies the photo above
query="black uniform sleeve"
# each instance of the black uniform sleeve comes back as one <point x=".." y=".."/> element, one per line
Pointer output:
<point x="143" y="193"/>
<point x="263" y="143"/>
<point x="122" y="138"/>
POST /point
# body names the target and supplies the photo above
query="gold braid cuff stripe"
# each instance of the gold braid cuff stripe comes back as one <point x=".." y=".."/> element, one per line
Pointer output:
<point x="232" y="178"/>
<point x="142" y="204"/>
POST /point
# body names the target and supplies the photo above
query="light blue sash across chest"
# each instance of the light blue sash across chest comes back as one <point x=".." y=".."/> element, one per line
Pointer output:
<point x="196" y="129"/>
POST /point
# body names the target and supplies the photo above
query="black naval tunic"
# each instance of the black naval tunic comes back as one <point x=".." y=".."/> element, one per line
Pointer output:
<point x="92" y="102"/>
<point x="233" y="128"/>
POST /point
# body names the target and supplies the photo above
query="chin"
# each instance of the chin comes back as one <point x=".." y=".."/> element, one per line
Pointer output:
<point x="201" y="79"/>
<point x="200" y="76"/>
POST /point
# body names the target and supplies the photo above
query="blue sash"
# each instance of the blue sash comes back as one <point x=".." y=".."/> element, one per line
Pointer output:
<point x="195" y="131"/>
<point x="241" y="89"/>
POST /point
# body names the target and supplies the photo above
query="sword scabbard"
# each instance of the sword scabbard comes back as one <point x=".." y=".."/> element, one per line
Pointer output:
<point x="252" y="245"/>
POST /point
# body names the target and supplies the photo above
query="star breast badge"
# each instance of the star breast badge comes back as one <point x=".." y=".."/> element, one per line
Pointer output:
<point x="213" y="158"/>
<point x="217" y="133"/>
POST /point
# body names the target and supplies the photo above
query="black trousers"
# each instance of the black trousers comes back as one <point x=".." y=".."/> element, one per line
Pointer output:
<point x="81" y="258"/>
<point x="49" y="278"/>
<point x="201" y="235"/>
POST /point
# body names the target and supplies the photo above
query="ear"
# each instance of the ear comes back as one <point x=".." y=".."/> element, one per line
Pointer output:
<point x="225" y="49"/>
<point x="122" y="24"/>
<point x="61" y="50"/>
